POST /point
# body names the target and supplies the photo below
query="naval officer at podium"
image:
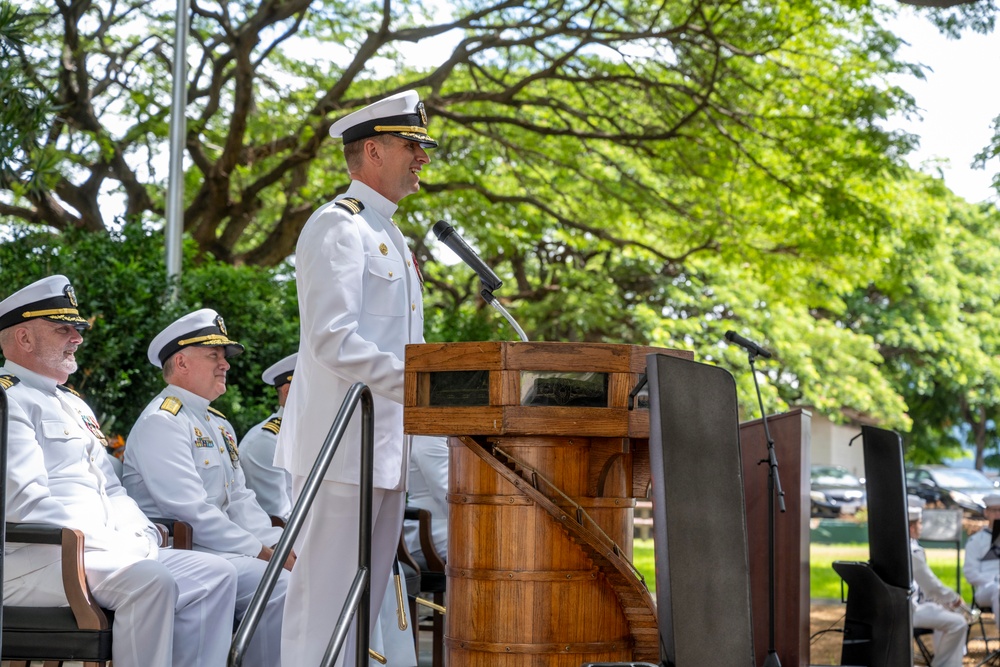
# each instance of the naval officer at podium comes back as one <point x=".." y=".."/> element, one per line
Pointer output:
<point x="360" y="304"/>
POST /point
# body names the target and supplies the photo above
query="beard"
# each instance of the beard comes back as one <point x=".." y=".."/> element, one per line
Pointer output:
<point x="58" y="361"/>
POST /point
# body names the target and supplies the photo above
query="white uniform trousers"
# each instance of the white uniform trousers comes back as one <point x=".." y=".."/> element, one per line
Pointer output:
<point x="989" y="596"/>
<point x="949" y="629"/>
<point x="396" y="645"/>
<point x="170" y="611"/>
<point x="327" y="562"/>
<point x="264" y="649"/>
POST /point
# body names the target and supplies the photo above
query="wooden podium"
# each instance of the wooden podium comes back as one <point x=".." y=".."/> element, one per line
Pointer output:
<point x="546" y="461"/>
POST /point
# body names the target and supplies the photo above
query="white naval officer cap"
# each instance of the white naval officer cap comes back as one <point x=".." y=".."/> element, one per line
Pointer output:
<point x="992" y="500"/>
<point x="202" y="328"/>
<point x="914" y="508"/>
<point x="402" y="115"/>
<point x="51" y="299"/>
<point x="281" y="372"/>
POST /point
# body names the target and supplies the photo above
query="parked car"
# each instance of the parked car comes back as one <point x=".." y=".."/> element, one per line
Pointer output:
<point x="951" y="487"/>
<point x="835" y="492"/>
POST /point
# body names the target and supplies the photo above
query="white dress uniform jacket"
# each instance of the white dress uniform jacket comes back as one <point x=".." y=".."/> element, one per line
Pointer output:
<point x="928" y="600"/>
<point x="271" y="485"/>
<point x="181" y="461"/>
<point x="59" y="473"/>
<point x="984" y="575"/>
<point x="360" y="304"/>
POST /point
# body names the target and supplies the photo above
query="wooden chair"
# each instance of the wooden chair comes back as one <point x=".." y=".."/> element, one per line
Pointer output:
<point x="432" y="582"/>
<point x="83" y="630"/>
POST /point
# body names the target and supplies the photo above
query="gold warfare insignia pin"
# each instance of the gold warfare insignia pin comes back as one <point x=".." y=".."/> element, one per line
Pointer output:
<point x="221" y="324"/>
<point x="382" y="248"/>
<point x="71" y="295"/>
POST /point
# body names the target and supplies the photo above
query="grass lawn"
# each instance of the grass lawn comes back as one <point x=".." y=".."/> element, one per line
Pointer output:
<point x="824" y="582"/>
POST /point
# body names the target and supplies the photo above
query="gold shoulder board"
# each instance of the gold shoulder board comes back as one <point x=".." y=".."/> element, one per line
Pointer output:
<point x="350" y="204"/>
<point x="216" y="412"/>
<point x="70" y="390"/>
<point x="8" y="381"/>
<point x="171" y="404"/>
<point x="273" y="425"/>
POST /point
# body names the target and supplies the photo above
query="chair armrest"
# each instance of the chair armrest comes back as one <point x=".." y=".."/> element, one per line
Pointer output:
<point x="87" y="612"/>
<point x="34" y="533"/>
<point x="179" y="530"/>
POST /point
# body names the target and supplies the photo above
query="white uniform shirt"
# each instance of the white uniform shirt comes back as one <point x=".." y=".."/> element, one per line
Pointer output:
<point x="980" y="572"/>
<point x="360" y="304"/>
<point x="181" y="461"/>
<point x="927" y="587"/>
<point x="58" y="472"/>
<point x="271" y="485"/>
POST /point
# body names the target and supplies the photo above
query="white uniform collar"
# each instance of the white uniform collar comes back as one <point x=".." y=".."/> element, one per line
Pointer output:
<point x="371" y="199"/>
<point x="188" y="398"/>
<point x="31" y="378"/>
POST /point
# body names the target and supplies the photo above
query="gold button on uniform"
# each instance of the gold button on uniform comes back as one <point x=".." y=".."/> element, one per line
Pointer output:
<point x="206" y="461"/>
<point x="390" y="274"/>
<point x="413" y="306"/>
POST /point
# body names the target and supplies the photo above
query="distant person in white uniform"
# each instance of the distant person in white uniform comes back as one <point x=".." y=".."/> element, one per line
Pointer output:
<point x="982" y="572"/>
<point x="181" y="461"/>
<point x="59" y="473"/>
<point x="271" y="485"/>
<point x="427" y="488"/>
<point x="360" y="304"/>
<point x="935" y="606"/>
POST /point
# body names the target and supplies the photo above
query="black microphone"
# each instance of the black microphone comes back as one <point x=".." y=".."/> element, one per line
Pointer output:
<point x="748" y="345"/>
<point x="447" y="235"/>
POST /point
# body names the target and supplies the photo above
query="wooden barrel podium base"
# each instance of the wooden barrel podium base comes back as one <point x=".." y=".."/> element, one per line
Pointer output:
<point x="516" y="574"/>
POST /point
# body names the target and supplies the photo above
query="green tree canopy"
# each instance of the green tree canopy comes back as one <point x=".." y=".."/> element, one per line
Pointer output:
<point x="647" y="172"/>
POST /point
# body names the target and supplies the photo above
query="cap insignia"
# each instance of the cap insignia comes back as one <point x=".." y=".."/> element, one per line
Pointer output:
<point x="71" y="295"/>
<point x="221" y="324"/>
<point x="422" y="112"/>
<point x="382" y="248"/>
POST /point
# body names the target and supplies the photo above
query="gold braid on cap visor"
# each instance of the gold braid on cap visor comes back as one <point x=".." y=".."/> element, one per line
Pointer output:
<point x="213" y="339"/>
<point x="415" y="129"/>
<point x="48" y="313"/>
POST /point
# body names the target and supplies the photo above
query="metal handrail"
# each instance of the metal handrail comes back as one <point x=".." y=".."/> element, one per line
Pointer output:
<point x="3" y="492"/>
<point x="359" y="598"/>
